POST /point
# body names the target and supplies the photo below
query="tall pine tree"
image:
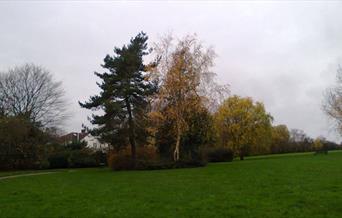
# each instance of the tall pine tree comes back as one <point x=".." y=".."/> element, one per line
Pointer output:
<point x="123" y="96"/>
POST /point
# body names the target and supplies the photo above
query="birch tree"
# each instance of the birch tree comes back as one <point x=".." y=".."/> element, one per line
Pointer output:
<point x="184" y="76"/>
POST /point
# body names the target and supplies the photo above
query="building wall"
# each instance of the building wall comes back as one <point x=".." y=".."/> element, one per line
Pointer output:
<point x="94" y="143"/>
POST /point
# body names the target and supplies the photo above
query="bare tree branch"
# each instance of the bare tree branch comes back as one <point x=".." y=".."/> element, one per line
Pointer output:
<point x="30" y="91"/>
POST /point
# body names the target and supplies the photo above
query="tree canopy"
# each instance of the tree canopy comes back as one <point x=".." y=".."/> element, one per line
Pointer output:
<point x="124" y="94"/>
<point x="184" y="77"/>
<point x="242" y="124"/>
<point x="280" y="139"/>
<point x="30" y="91"/>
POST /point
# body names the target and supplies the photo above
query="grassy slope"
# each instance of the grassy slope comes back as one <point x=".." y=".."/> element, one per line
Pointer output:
<point x="283" y="186"/>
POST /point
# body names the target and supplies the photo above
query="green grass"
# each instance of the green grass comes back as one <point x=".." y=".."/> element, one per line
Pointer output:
<point x="274" y="186"/>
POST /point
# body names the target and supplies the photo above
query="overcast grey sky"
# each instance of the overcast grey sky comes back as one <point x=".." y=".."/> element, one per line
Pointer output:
<point x="281" y="53"/>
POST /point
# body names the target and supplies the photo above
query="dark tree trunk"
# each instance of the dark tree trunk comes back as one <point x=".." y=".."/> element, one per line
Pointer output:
<point x="242" y="154"/>
<point x="131" y="129"/>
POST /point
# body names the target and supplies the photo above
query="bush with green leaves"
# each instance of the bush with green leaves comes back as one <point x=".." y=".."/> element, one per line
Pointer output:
<point x="77" y="158"/>
<point x="82" y="158"/>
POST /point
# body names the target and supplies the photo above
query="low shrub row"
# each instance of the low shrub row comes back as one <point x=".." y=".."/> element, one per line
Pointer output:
<point x="219" y="154"/>
<point x="147" y="159"/>
<point x="76" y="159"/>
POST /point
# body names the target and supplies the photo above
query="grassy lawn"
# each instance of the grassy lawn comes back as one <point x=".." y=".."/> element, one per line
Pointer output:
<point x="278" y="186"/>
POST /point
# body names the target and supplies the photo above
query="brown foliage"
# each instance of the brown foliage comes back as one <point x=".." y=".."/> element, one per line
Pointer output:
<point x="121" y="160"/>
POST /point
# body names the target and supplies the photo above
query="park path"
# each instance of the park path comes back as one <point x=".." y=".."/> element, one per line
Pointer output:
<point x="28" y="174"/>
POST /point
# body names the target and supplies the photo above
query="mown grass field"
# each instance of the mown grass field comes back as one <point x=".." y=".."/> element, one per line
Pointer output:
<point x="301" y="185"/>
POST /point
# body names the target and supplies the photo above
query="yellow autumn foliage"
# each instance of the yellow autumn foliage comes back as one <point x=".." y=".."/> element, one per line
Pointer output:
<point x="243" y="125"/>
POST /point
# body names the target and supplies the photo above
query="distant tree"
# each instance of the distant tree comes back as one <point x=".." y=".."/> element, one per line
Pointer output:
<point x="242" y="124"/>
<point x="297" y="135"/>
<point x="124" y="95"/>
<point x="318" y="144"/>
<point x="29" y="91"/>
<point x="332" y="104"/>
<point x="280" y="139"/>
<point x="300" y="142"/>
<point x="329" y="145"/>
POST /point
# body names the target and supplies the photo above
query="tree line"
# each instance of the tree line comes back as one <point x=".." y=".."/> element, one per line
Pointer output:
<point x="174" y="105"/>
<point x="168" y="112"/>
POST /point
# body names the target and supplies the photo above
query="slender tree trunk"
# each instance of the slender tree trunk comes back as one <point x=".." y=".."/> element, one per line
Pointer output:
<point x="242" y="154"/>
<point x="176" y="151"/>
<point x="131" y="129"/>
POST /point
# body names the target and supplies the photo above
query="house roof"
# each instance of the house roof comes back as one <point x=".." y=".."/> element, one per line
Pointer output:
<point x="73" y="136"/>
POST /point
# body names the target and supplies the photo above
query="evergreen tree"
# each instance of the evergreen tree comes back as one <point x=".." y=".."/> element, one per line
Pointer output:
<point x="123" y="96"/>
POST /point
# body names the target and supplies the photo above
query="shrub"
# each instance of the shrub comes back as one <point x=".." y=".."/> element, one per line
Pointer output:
<point x="147" y="153"/>
<point x="21" y="143"/>
<point x="73" y="158"/>
<point x="120" y="161"/>
<point x="147" y="159"/>
<point x="82" y="158"/>
<point x="101" y="158"/>
<point x="219" y="154"/>
<point x="43" y="164"/>
<point x="76" y="145"/>
<point x="59" y="160"/>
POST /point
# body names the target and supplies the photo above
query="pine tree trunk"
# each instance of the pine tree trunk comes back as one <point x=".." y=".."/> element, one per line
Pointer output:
<point x="131" y="129"/>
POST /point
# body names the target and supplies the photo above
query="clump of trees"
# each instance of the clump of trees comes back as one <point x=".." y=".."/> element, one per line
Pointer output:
<point x="173" y="108"/>
<point x="280" y="136"/>
<point x="164" y="103"/>
<point x="32" y="108"/>
<point x="32" y="105"/>
<point x="166" y="113"/>
<point x="296" y="140"/>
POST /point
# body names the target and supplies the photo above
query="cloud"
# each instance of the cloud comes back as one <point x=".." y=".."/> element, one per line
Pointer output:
<point x="281" y="53"/>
